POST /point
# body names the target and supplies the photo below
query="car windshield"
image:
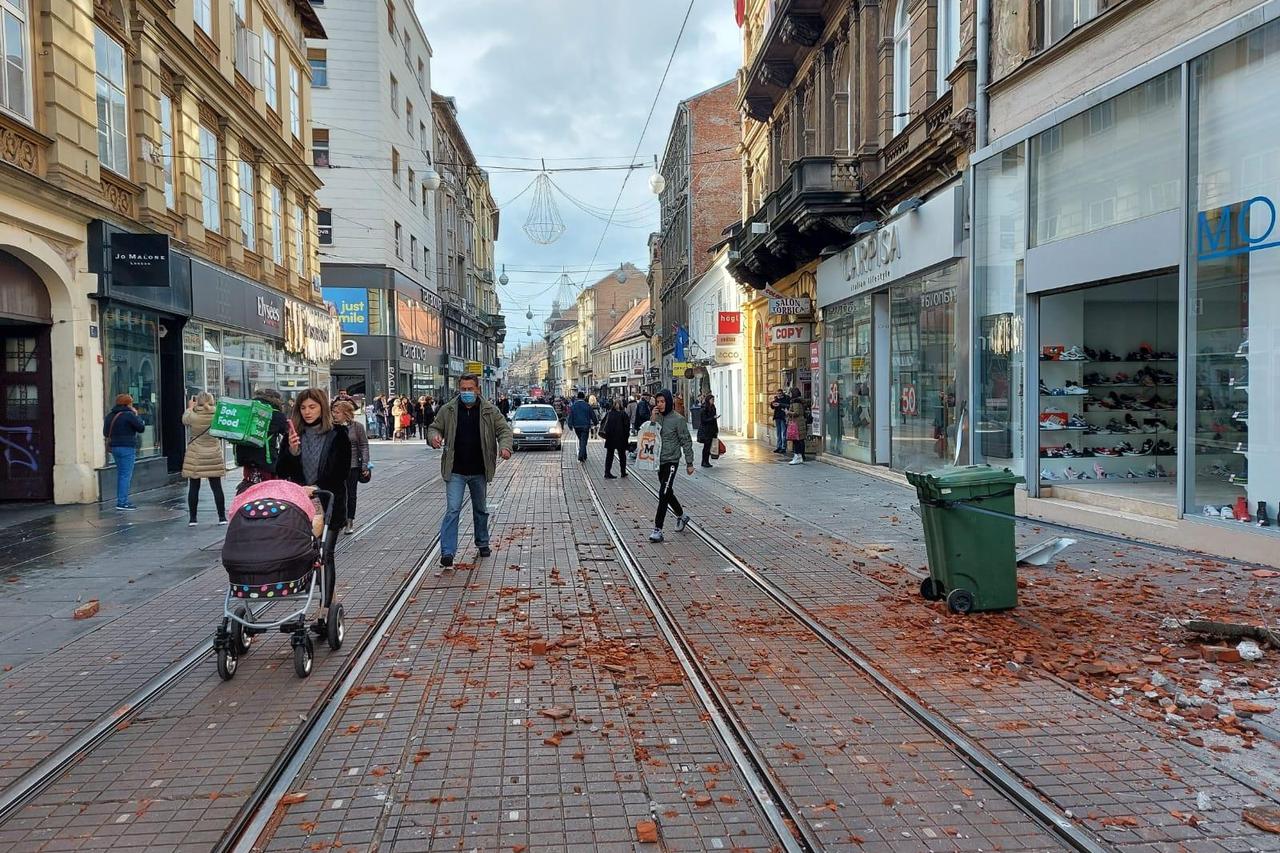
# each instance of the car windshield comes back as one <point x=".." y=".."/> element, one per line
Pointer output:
<point x="534" y="413"/>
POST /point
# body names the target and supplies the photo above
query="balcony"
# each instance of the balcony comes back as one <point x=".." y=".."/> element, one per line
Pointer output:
<point x="797" y="26"/>
<point x="817" y="205"/>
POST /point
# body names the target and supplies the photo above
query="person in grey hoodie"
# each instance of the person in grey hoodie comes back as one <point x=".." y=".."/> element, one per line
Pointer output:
<point x="674" y="435"/>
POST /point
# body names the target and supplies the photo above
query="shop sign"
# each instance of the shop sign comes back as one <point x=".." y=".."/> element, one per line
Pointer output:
<point x="815" y="402"/>
<point x="728" y="340"/>
<point x="785" y="305"/>
<point x="790" y="333"/>
<point x="476" y="367"/>
<point x="413" y="352"/>
<point x="140" y="260"/>
<point x="1236" y="229"/>
<point x="637" y="369"/>
<point x="678" y="368"/>
<point x="457" y="365"/>
<point x="729" y="323"/>
<point x="350" y="349"/>
<point x="352" y="304"/>
<point x="728" y="354"/>
<point x="311" y="333"/>
<point x="914" y="241"/>
<point x="227" y="300"/>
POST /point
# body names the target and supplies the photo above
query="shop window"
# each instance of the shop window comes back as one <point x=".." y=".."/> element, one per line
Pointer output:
<point x="901" y="66"/>
<point x="1117" y="162"/>
<point x="320" y="147"/>
<point x="270" y="70"/>
<point x="295" y="102"/>
<point x="210" y="192"/>
<point x="1234" y="307"/>
<point x="848" y="420"/>
<point x="318" y="59"/>
<point x="15" y="74"/>
<point x="922" y="370"/>
<point x="324" y="224"/>
<point x="948" y="40"/>
<point x="248" y="205"/>
<point x="999" y="250"/>
<point x="113" y="129"/>
<point x="166" y="148"/>
<point x="131" y="355"/>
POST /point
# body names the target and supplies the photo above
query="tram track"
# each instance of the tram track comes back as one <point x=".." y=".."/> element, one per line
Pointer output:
<point x="30" y="784"/>
<point x="773" y="798"/>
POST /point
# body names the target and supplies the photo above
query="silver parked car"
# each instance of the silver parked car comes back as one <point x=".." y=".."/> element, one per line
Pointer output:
<point x="535" y="425"/>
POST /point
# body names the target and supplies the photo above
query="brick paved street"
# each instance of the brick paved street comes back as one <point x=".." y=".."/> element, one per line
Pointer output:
<point x="531" y="701"/>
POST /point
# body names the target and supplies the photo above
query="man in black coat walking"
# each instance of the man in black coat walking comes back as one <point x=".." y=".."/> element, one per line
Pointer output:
<point x="708" y="428"/>
<point x="616" y="429"/>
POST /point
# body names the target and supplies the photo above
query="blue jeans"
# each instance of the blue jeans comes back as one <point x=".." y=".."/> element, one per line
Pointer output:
<point x="124" y="458"/>
<point x="780" y="427"/>
<point x="582" y="432"/>
<point x="455" y="490"/>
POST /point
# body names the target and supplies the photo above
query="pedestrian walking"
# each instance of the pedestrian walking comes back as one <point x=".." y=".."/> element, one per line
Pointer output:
<point x="122" y="428"/>
<point x="426" y="414"/>
<point x="797" y="426"/>
<point x="616" y="429"/>
<point x="258" y="464"/>
<point x="397" y="415"/>
<point x="779" y="404"/>
<point x="380" y="415"/>
<point x="474" y="433"/>
<point x="644" y="409"/>
<point x="674" y="439"/>
<point x="581" y="419"/>
<point x="319" y="454"/>
<point x="708" y="428"/>
<point x="344" y="414"/>
<point x="632" y="405"/>
<point x="204" y="457"/>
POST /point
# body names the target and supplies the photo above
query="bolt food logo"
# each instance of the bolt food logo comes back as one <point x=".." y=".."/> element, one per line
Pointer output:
<point x="1237" y="229"/>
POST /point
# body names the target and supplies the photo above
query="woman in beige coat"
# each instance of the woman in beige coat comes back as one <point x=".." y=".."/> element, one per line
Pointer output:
<point x="204" y="459"/>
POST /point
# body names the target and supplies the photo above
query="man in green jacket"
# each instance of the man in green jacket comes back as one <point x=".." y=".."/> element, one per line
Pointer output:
<point x="674" y="437"/>
<point x="474" y="433"/>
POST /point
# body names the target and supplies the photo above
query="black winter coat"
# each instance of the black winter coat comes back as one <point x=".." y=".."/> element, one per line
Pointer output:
<point x="709" y="427"/>
<point x="257" y="457"/>
<point x="643" y="410"/>
<point x="121" y="427"/>
<point x="616" y="429"/>
<point x="333" y="473"/>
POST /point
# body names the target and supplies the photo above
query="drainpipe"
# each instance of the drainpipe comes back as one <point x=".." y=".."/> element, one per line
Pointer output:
<point x="984" y="71"/>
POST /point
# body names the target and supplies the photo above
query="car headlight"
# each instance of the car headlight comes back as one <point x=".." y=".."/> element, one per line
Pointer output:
<point x="555" y="430"/>
<point x="517" y="431"/>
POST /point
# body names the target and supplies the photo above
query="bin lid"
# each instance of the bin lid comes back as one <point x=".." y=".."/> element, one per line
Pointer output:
<point x="944" y="480"/>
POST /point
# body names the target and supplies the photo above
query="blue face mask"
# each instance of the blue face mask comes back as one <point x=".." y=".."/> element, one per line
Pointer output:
<point x="468" y="397"/>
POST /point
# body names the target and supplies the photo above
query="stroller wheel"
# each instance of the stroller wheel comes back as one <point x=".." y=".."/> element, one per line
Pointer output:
<point x="302" y="655"/>
<point x="240" y="637"/>
<point x="337" y="628"/>
<point x="227" y="662"/>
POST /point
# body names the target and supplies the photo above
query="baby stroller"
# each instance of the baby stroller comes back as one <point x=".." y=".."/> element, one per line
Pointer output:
<point x="271" y="553"/>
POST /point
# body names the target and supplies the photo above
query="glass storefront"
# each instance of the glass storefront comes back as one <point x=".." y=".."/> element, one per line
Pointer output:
<point x="232" y="364"/>
<point x="849" y="409"/>
<point x="1233" y="272"/>
<point x="131" y="354"/>
<point x="922" y="369"/>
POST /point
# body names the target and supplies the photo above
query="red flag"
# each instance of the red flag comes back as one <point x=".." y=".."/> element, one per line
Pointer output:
<point x="739" y="11"/>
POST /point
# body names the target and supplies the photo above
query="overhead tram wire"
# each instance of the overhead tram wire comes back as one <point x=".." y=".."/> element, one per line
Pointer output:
<point x="639" y="142"/>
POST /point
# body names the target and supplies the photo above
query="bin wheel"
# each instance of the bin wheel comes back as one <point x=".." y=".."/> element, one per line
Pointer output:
<point x="931" y="589"/>
<point x="337" y="628"/>
<point x="227" y="661"/>
<point x="302" y="656"/>
<point x="241" y="639"/>
<point x="960" y="601"/>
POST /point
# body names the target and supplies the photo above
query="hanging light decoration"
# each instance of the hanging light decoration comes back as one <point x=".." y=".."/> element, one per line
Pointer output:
<point x="544" y="224"/>
<point x="528" y="315"/>
<point x="657" y="183"/>
<point x="504" y="279"/>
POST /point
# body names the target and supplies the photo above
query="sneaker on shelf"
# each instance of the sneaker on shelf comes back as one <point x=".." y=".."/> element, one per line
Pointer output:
<point x="1241" y="510"/>
<point x="1242" y="415"/>
<point x="1072" y="474"/>
<point x="1046" y="474"/>
<point x="1164" y="448"/>
<point x="1091" y="354"/>
<point x="1124" y="448"/>
<point x="1077" y="422"/>
<point x="1099" y="472"/>
<point x="1210" y="512"/>
<point x="1160" y="471"/>
<point x="1242" y="351"/>
<point x="1044" y="389"/>
<point x="1073" y="353"/>
<point x="1074" y="390"/>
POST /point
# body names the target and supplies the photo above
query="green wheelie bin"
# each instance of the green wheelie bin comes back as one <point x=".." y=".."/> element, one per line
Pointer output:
<point x="971" y="558"/>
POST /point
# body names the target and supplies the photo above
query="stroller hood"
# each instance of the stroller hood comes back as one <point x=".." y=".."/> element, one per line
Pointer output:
<point x="269" y="541"/>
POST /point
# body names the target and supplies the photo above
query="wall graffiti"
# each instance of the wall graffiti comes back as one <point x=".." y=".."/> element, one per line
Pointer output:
<point x="22" y="454"/>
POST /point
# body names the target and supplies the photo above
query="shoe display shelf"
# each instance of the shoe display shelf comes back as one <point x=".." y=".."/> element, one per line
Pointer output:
<point x="1085" y="440"/>
<point x="1221" y="437"/>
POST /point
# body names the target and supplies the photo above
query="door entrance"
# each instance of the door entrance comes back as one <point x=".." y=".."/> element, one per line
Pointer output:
<point x="26" y="414"/>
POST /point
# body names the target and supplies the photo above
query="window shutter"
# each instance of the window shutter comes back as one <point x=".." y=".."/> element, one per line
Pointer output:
<point x="253" y="49"/>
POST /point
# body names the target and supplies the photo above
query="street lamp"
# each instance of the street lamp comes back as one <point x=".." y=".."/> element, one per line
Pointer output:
<point x="430" y="180"/>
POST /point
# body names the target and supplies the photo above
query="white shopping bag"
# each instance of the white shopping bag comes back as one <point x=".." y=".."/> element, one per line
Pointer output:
<point x="649" y="447"/>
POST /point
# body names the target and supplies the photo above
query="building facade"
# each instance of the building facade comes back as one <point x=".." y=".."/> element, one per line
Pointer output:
<point x="701" y="197"/>
<point x="466" y="228"/>
<point x="624" y="353"/>
<point x="157" y="226"/>
<point x="598" y="309"/>
<point x="372" y="142"/>
<point x="859" y="121"/>
<point x="1124" y="259"/>
<point x="714" y="310"/>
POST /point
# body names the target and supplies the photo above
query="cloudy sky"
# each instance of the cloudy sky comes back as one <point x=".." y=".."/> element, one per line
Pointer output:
<point x="571" y="81"/>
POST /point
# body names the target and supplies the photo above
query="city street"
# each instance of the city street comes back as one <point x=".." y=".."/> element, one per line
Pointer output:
<point x="768" y="679"/>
